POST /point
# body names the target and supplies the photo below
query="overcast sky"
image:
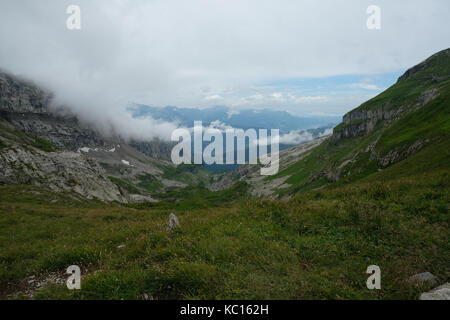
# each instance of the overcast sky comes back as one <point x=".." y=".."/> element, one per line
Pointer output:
<point x="306" y="57"/>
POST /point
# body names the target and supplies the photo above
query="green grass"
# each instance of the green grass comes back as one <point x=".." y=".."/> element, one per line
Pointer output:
<point x="189" y="174"/>
<point x="195" y="197"/>
<point x="128" y="186"/>
<point x="427" y="122"/>
<point x="149" y="182"/>
<point x="44" y="145"/>
<point x="409" y="88"/>
<point x="315" y="246"/>
<point x="428" y="125"/>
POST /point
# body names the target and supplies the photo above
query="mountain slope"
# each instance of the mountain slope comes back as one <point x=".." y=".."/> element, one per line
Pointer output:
<point x="25" y="159"/>
<point x="410" y="116"/>
<point x="35" y="133"/>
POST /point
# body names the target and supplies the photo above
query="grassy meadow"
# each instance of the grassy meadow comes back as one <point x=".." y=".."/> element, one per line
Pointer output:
<point x="314" y="246"/>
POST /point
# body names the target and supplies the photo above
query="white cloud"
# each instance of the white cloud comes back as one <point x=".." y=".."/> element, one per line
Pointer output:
<point x="296" y="137"/>
<point x="309" y="99"/>
<point x="232" y="112"/>
<point x="369" y="86"/>
<point x="215" y="97"/>
<point x="217" y="124"/>
<point x="182" y="52"/>
<point x="277" y="95"/>
<point x="364" y="84"/>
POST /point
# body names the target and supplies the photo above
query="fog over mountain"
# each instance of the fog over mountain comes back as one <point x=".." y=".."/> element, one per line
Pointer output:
<point x="245" y="55"/>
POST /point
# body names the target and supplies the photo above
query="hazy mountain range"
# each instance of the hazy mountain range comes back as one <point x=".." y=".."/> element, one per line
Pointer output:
<point x="247" y="118"/>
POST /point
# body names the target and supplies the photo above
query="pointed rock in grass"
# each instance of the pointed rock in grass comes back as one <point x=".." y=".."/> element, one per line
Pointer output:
<point x="173" y="223"/>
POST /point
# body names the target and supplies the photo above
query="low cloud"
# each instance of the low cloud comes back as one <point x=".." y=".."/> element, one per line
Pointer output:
<point x="296" y="137"/>
<point x="215" y="97"/>
<point x="196" y="53"/>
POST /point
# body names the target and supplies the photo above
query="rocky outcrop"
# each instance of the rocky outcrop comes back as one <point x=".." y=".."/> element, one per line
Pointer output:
<point x="156" y="148"/>
<point x="58" y="171"/>
<point x="424" y="78"/>
<point x="362" y="122"/>
<point x="28" y="108"/>
<point x="21" y="96"/>
<point x="397" y="154"/>
<point x="86" y="161"/>
<point x="64" y="132"/>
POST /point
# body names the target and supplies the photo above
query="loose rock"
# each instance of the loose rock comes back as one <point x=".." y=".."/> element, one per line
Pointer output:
<point x="439" y="293"/>
<point x="173" y="222"/>
<point x="424" y="278"/>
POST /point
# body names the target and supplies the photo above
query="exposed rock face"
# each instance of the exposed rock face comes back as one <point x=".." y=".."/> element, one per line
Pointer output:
<point x="21" y="96"/>
<point x="64" y="132"/>
<point x="93" y="159"/>
<point x="156" y="148"/>
<point x="27" y="107"/>
<point x="362" y="122"/>
<point x="395" y="155"/>
<point x="58" y="171"/>
<point x="138" y="198"/>
<point x="363" y="119"/>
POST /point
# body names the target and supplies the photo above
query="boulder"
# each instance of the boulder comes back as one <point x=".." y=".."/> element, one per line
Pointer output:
<point x="173" y="223"/>
<point x="424" y="278"/>
<point x="439" y="293"/>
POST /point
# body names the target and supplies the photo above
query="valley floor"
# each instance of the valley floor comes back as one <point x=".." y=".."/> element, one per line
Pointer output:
<point x="317" y="245"/>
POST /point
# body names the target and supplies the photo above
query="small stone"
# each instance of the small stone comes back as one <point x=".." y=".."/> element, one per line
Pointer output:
<point x="173" y="222"/>
<point x="121" y="246"/>
<point x="439" y="293"/>
<point x="424" y="278"/>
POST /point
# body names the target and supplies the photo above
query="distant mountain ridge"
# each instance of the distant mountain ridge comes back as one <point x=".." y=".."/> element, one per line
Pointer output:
<point x="246" y="118"/>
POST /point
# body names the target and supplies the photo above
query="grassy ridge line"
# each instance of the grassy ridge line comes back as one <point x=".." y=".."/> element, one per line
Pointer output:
<point x="409" y="87"/>
<point x="351" y="158"/>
